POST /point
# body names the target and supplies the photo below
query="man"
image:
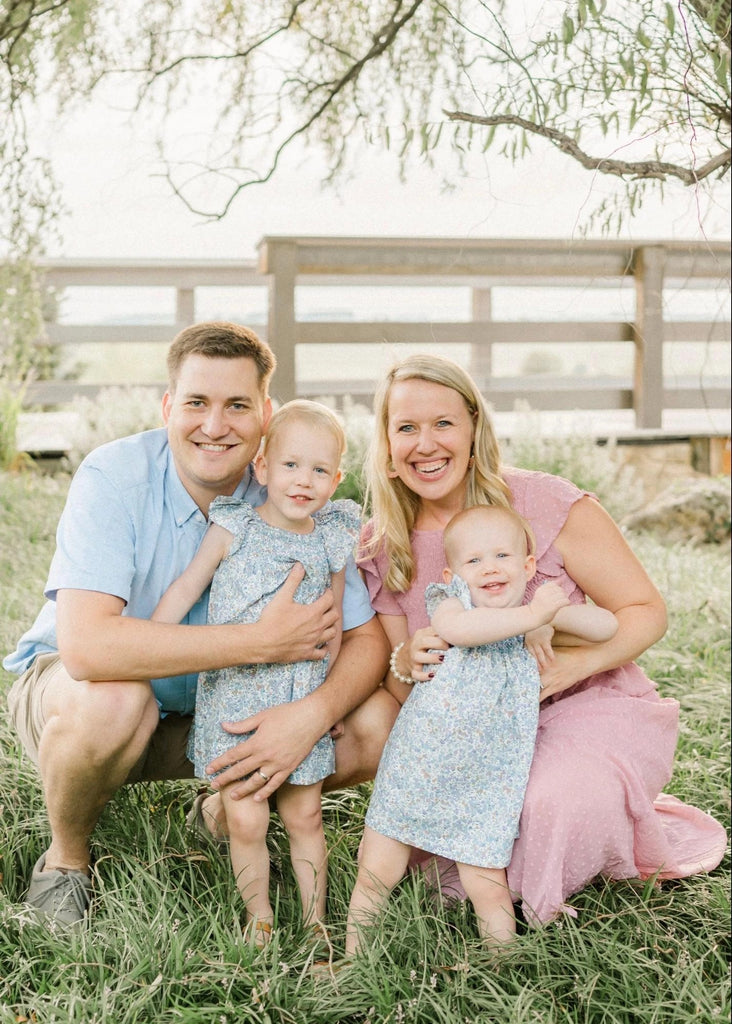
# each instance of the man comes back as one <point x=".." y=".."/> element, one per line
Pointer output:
<point x="106" y="696"/>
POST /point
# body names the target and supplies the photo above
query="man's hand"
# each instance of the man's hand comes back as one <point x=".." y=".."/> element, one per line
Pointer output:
<point x="298" y="632"/>
<point x="281" y="739"/>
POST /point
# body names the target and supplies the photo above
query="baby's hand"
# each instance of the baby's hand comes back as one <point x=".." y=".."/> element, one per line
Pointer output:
<point x="337" y="730"/>
<point x="539" y="643"/>
<point x="547" y="601"/>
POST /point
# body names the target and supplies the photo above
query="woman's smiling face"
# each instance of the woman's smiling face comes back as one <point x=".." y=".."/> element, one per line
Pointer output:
<point x="430" y="434"/>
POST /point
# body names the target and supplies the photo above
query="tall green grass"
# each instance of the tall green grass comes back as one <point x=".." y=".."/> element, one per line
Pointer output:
<point x="161" y="946"/>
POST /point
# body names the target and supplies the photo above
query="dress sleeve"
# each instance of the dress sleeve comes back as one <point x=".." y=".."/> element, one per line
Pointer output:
<point x="339" y="523"/>
<point x="545" y="501"/>
<point x="436" y="593"/>
<point x="373" y="569"/>
<point x="235" y="515"/>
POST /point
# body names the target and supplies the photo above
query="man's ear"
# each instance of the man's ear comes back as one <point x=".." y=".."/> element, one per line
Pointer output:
<point x="266" y="414"/>
<point x="166" y="404"/>
<point x="447" y="575"/>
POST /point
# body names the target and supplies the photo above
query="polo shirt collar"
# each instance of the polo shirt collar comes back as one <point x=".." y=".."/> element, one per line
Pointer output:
<point x="183" y="505"/>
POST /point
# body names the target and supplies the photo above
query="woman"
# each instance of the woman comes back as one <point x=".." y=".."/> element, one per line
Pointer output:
<point x="606" y="739"/>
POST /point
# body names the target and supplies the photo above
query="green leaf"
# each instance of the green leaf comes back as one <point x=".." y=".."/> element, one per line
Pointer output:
<point x="568" y="30"/>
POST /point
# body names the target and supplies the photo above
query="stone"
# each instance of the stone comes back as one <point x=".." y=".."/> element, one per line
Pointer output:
<point x="690" y="511"/>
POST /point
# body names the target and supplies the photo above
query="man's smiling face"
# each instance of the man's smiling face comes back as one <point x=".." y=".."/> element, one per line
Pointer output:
<point x="215" y="415"/>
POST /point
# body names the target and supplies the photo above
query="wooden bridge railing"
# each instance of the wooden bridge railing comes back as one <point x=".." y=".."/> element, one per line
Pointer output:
<point x="480" y="265"/>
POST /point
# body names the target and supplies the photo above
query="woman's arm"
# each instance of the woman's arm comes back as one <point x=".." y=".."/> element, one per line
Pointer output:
<point x="416" y="658"/>
<point x="183" y="593"/>
<point x="597" y="557"/>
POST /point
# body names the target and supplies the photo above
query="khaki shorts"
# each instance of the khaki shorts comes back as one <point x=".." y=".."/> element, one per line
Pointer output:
<point x="164" y="757"/>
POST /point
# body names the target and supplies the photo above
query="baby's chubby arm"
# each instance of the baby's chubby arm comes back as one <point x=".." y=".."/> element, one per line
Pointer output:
<point x="573" y="624"/>
<point x="183" y="593"/>
<point x="470" y="627"/>
<point x="585" y="622"/>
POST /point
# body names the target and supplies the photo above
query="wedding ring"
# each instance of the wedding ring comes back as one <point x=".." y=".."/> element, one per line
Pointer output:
<point x="261" y="773"/>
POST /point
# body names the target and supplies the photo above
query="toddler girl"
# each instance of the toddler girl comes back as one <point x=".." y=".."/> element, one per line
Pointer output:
<point x="246" y="555"/>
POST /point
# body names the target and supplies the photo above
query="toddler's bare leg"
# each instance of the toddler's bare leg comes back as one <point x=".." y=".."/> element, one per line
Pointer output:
<point x="301" y="813"/>
<point x="382" y="864"/>
<point x="487" y="889"/>
<point x="247" y="822"/>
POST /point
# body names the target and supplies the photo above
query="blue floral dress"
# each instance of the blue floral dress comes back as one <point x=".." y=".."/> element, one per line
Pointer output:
<point x="258" y="563"/>
<point x="453" y="773"/>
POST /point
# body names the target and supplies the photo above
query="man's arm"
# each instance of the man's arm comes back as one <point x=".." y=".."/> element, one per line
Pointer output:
<point x="284" y="735"/>
<point x="96" y="641"/>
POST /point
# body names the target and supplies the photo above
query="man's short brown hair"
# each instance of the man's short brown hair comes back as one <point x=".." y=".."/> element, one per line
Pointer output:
<point x="219" y="339"/>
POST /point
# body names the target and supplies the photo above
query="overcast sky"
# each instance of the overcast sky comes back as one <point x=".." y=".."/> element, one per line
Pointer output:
<point x="119" y="206"/>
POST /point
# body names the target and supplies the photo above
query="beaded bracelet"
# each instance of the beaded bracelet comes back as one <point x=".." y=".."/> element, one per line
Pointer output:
<point x="395" y="671"/>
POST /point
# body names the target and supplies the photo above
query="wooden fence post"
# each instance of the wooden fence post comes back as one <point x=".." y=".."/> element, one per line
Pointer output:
<point x="279" y="260"/>
<point x="648" y="336"/>
<point x="185" y="307"/>
<point x="481" y="358"/>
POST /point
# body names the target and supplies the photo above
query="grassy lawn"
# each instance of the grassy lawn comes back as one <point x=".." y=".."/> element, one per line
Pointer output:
<point x="161" y="944"/>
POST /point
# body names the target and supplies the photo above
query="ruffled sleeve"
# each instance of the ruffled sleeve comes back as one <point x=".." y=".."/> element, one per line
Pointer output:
<point x="545" y="501"/>
<point x="374" y="568"/>
<point x="436" y="593"/>
<point x="235" y="515"/>
<point x="339" y="523"/>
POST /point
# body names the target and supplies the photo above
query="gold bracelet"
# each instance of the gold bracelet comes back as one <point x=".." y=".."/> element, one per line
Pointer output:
<point x="395" y="671"/>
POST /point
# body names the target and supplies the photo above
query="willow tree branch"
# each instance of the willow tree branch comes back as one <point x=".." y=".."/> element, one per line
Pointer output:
<point x="381" y="40"/>
<point x="605" y="165"/>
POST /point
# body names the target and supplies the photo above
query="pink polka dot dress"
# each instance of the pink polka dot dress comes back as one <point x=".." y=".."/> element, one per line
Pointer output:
<point x="604" y="748"/>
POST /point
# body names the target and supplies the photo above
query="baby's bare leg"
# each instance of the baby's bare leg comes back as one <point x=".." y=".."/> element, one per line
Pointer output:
<point x="487" y="889"/>
<point x="382" y="864"/>
<point x="301" y="813"/>
<point x="247" y="823"/>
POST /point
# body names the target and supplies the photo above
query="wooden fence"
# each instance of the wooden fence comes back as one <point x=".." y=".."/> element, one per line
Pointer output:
<point x="649" y="269"/>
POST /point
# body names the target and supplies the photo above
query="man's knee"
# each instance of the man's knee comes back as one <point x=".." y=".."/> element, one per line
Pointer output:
<point x="103" y="717"/>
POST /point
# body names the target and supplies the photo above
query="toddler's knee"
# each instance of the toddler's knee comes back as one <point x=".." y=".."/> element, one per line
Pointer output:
<point x="299" y="820"/>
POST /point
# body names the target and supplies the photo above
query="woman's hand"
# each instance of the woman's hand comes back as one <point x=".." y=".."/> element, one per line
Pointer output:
<point x="539" y="643"/>
<point x="424" y="650"/>
<point x="568" y="666"/>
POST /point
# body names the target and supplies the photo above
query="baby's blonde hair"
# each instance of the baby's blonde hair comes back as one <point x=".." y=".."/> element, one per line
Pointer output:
<point x="450" y="540"/>
<point x="314" y="414"/>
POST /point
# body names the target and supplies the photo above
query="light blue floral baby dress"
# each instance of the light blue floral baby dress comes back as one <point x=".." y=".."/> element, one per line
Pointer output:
<point x="259" y="560"/>
<point x="453" y="773"/>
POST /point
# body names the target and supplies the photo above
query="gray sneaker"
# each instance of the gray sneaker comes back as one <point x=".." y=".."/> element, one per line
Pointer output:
<point x="60" y="896"/>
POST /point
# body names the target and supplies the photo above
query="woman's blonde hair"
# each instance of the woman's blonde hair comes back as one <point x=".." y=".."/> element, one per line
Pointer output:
<point x="314" y="414"/>
<point x="394" y="506"/>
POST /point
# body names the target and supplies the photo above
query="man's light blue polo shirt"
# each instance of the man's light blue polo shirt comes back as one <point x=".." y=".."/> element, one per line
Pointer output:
<point x="129" y="529"/>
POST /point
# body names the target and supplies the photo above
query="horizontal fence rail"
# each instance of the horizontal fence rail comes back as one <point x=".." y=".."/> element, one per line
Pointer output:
<point x="647" y="269"/>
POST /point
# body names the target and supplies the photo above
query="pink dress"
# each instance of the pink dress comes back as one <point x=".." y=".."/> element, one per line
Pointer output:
<point x="604" y="748"/>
